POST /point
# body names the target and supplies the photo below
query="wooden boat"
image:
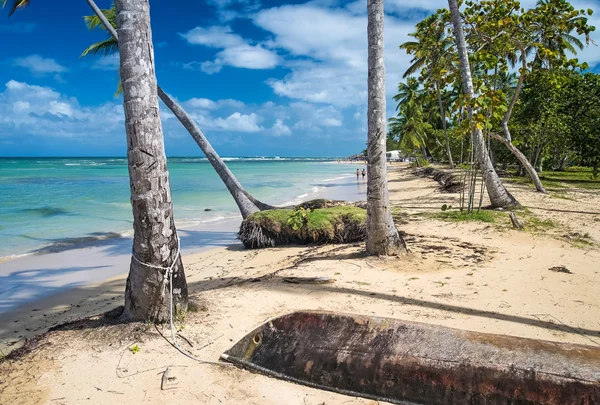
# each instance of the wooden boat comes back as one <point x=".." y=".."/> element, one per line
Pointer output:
<point x="406" y="362"/>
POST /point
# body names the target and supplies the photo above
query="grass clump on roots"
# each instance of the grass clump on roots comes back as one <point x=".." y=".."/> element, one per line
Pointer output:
<point x="300" y="225"/>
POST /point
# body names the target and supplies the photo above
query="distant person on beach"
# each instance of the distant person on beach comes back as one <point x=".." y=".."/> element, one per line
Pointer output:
<point x="364" y="173"/>
<point x="357" y="173"/>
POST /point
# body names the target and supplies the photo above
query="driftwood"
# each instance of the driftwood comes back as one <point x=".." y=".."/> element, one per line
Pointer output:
<point x="449" y="182"/>
<point x="406" y="362"/>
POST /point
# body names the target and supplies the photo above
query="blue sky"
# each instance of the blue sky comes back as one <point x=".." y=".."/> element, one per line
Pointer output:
<point x="261" y="78"/>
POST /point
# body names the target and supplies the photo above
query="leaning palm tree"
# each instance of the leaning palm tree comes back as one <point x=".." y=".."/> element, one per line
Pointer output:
<point x="382" y="235"/>
<point x="245" y="202"/>
<point x="499" y="195"/>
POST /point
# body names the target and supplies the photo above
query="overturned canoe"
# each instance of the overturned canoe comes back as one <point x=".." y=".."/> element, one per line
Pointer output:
<point x="414" y="363"/>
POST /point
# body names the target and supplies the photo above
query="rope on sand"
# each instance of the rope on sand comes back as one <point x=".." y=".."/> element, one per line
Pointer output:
<point x="169" y="273"/>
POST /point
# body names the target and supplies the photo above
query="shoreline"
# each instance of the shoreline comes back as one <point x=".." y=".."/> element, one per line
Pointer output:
<point x="477" y="276"/>
<point x="80" y="262"/>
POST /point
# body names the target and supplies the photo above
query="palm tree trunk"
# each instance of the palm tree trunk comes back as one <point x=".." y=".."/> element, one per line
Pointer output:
<point x="245" y="202"/>
<point x="499" y="195"/>
<point x="443" y="114"/>
<point x="382" y="235"/>
<point x="155" y="239"/>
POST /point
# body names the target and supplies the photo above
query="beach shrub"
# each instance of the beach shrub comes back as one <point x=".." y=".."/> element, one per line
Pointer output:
<point x="300" y="225"/>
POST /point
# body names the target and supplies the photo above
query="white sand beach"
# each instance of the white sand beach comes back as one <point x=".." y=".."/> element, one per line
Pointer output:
<point x="467" y="275"/>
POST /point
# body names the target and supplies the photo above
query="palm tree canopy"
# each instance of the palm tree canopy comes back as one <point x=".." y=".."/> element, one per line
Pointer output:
<point x="16" y="4"/>
<point x="109" y="45"/>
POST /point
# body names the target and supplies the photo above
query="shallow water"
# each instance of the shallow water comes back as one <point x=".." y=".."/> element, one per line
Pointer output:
<point x="53" y="204"/>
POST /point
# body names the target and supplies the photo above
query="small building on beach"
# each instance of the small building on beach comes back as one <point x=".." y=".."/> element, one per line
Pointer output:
<point x="394" y="156"/>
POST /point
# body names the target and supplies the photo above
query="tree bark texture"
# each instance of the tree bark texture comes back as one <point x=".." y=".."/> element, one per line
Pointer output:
<point x="499" y="195"/>
<point x="245" y="202"/>
<point x="382" y="236"/>
<point x="155" y="237"/>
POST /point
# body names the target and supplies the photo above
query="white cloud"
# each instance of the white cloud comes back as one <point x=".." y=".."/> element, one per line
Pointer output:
<point x="216" y="37"/>
<point x="39" y="65"/>
<point x="333" y="64"/>
<point x="280" y="129"/>
<point x="248" y="56"/>
<point x="235" y="51"/>
<point x="332" y="122"/>
<point x="202" y="103"/>
<point x="41" y="111"/>
<point x="240" y="122"/>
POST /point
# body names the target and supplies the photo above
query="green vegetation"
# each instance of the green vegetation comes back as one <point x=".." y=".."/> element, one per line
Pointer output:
<point x="561" y="180"/>
<point x="338" y="224"/>
<point x="533" y="98"/>
<point x="464" y="216"/>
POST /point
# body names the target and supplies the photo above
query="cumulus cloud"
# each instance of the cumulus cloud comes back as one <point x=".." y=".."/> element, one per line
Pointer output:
<point x="280" y="129"/>
<point x="329" y="61"/>
<point x="235" y="51"/>
<point x="240" y="122"/>
<point x="39" y="65"/>
<point x="42" y="111"/>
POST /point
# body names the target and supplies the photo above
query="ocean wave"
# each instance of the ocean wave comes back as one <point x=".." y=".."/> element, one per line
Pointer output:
<point x="314" y="191"/>
<point x="338" y="178"/>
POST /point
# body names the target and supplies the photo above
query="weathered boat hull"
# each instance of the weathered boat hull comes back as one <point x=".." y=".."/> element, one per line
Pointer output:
<point x="414" y="363"/>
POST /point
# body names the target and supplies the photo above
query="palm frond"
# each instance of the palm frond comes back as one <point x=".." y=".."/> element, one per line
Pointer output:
<point x="119" y="89"/>
<point x="16" y="4"/>
<point x="572" y="40"/>
<point x="104" y="48"/>
<point x="92" y="21"/>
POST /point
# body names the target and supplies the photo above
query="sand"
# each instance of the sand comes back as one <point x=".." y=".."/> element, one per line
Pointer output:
<point x="474" y="276"/>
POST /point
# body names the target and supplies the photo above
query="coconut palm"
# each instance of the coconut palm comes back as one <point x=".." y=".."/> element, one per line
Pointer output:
<point x="555" y="35"/>
<point x="408" y="93"/>
<point x="430" y="51"/>
<point x="499" y="195"/>
<point x="155" y="241"/>
<point x="382" y="236"/>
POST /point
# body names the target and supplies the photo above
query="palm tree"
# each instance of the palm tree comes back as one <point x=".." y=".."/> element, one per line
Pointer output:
<point x="499" y="195"/>
<point x="555" y="37"/>
<point x="155" y="241"/>
<point x="408" y="93"/>
<point x="430" y="49"/>
<point x="408" y="126"/>
<point x="382" y="235"/>
<point x="245" y="202"/>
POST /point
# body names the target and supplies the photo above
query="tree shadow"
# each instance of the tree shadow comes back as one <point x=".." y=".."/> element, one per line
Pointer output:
<point x="277" y="283"/>
<point x="28" y="285"/>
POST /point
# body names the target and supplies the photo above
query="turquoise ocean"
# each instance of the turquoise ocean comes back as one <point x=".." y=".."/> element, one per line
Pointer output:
<point x="44" y="201"/>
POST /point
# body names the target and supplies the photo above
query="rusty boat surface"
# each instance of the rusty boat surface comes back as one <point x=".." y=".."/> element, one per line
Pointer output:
<point x="407" y="362"/>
